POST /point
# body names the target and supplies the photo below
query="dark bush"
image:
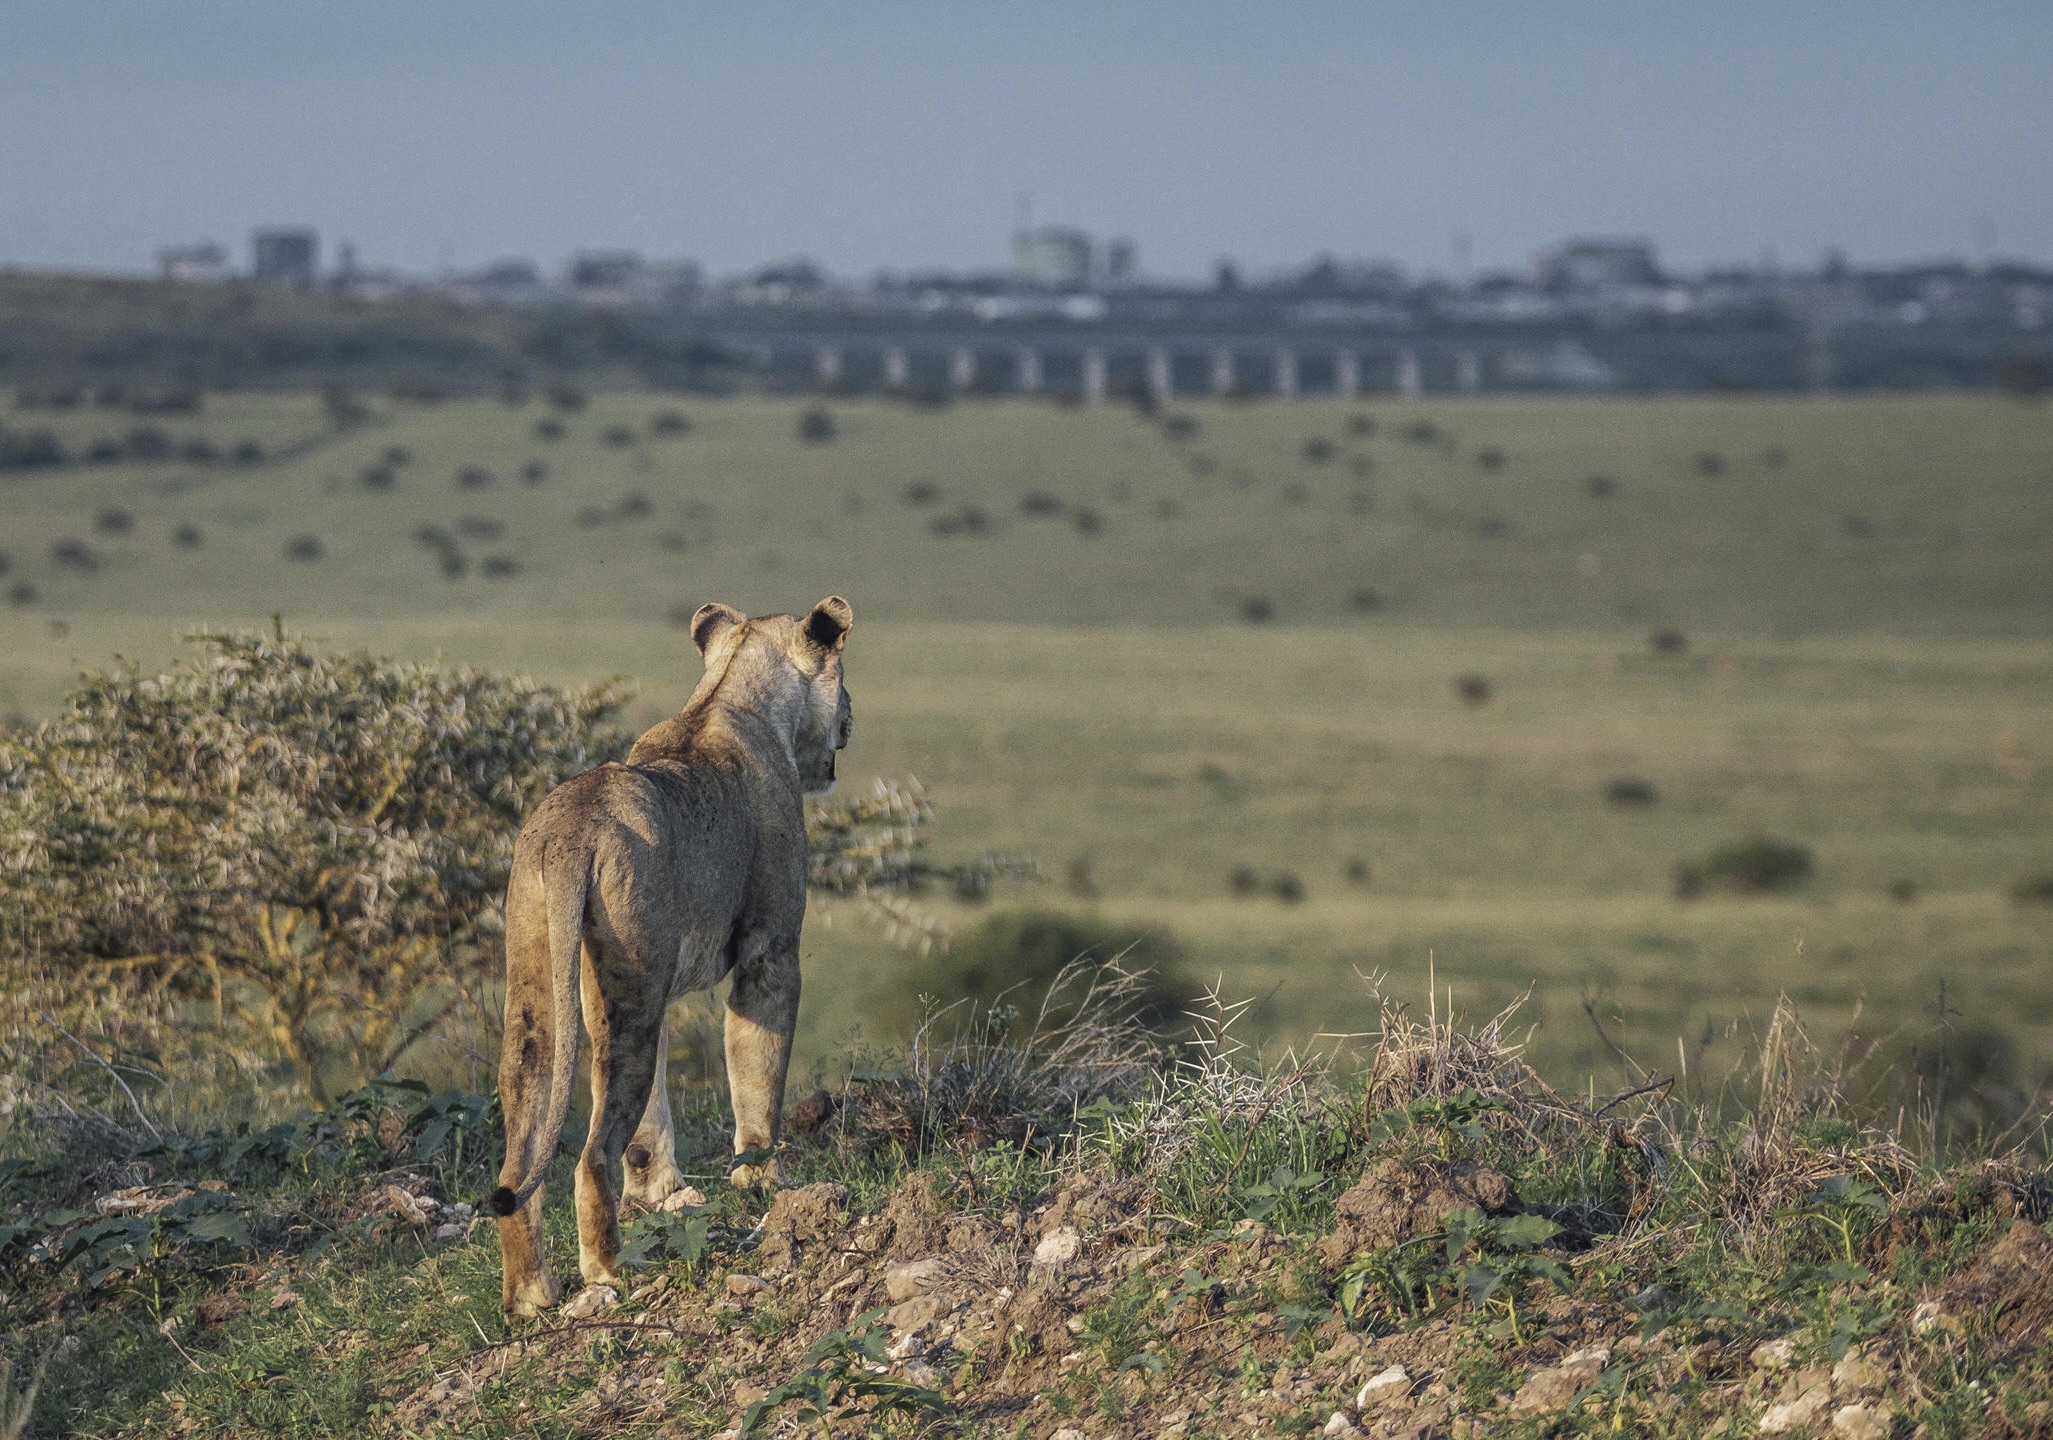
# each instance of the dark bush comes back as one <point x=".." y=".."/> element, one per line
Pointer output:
<point x="1257" y="610"/>
<point x="377" y="477"/>
<point x="1243" y="882"/>
<point x="1317" y="450"/>
<point x="1039" y="504"/>
<point x="1902" y="890"/>
<point x="1600" y="487"/>
<point x="1774" y="458"/>
<point x="1285" y="886"/>
<point x="1202" y="465"/>
<point x="1361" y="424"/>
<point x="304" y="548"/>
<point x="111" y="396"/>
<point x="1365" y="599"/>
<point x="6" y="562"/>
<point x="549" y="428"/>
<point x="147" y="443"/>
<point x="1086" y="521"/>
<point x="434" y="537"/>
<point x="417" y="390"/>
<point x="513" y="392"/>
<point x="114" y="521"/>
<point x="1708" y="463"/>
<point x="1295" y="494"/>
<point x="199" y="451"/>
<point x="633" y="506"/>
<point x="186" y="537"/>
<point x="567" y="398"/>
<point x="342" y="407"/>
<point x="396" y="456"/>
<point x="921" y="492"/>
<point x="1758" y="866"/>
<point x="969" y="520"/>
<point x="21" y="593"/>
<point x="247" y="452"/>
<point x="669" y="423"/>
<point x="1668" y="642"/>
<point x="1473" y="689"/>
<point x="74" y="555"/>
<point x="2033" y="889"/>
<point x="1011" y="957"/>
<point x="534" y="472"/>
<point x="2027" y="377"/>
<point x="1490" y="458"/>
<point x="1630" y="792"/>
<point x="454" y="565"/>
<point x="1363" y="465"/>
<point x="591" y="517"/>
<point x="816" y="426"/>
<point x="480" y="527"/>
<point x="1356" y="870"/>
<point x="617" y="436"/>
<point x="1180" y="427"/>
<point x="1422" y="432"/>
<point x="1491" y="527"/>
<point x="474" y="477"/>
<point x="499" y="567"/>
<point x="103" y="451"/>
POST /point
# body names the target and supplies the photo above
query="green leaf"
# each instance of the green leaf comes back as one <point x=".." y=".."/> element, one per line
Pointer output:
<point x="1481" y="1282"/>
<point x="227" y="1225"/>
<point x="1523" y="1232"/>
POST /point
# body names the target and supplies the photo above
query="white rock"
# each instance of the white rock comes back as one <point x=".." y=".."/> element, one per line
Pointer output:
<point x="452" y="1231"/>
<point x="1796" y="1414"/>
<point x="1381" y="1388"/>
<point x="921" y="1373"/>
<point x="1775" y="1355"/>
<point x="1855" y="1373"/>
<point x="1067" y="1432"/>
<point x="1861" y="1422"/>
<point x="590" y="1301"/>
<point x="1058" y="1247"/>
<point x="687" y="1197"/>
<point x="1930" y="1315"/>
<point x="743" y="1286"/>
<point x="1338" y="1424"/>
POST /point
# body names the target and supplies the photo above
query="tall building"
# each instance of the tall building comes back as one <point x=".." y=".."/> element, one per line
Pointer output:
<point x="284" y="257"/>
<point x="1052" y="257"/>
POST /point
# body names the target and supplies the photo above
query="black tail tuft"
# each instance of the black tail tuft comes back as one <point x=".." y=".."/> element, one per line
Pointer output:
<point x="502" y="1202"/>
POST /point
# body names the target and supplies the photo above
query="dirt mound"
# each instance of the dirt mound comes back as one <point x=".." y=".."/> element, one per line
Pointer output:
<point x="1397" y="1199"/>
<point x="2010" y="1286"/>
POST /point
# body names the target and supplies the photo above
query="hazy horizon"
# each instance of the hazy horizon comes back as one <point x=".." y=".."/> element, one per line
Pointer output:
<point x="902" y="137"/>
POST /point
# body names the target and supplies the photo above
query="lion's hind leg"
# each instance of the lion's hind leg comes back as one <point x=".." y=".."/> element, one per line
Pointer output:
<point x="624" y="1063"/>
<point x="652" y="1173"/>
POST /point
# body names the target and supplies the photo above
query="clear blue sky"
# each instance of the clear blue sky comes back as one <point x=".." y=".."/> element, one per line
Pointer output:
<point x="451" y="132"/>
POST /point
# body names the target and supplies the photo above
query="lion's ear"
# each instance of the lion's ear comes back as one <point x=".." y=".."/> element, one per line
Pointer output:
<point x="711" y="622"/>
<point x="829" y="622"/>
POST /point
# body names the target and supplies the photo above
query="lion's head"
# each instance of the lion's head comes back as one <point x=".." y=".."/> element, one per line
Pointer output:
<point x="798" y="657"/>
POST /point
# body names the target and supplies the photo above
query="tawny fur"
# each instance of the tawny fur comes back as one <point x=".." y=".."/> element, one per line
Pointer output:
<point x="633" y="884"/>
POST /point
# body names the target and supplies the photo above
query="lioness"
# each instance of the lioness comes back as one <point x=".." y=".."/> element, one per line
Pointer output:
<point x="635" y="883"/>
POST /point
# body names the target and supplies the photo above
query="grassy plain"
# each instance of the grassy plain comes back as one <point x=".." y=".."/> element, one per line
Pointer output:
<point x="1862" y="585"/>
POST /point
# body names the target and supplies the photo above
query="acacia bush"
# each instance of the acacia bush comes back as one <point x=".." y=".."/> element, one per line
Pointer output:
<point x="279" y="870"/>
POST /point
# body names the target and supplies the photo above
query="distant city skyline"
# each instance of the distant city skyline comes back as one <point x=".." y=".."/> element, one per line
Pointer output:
<point x="901" y="136"/>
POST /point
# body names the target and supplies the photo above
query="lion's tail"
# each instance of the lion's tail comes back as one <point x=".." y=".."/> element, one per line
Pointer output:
<point x="566" y="879"/>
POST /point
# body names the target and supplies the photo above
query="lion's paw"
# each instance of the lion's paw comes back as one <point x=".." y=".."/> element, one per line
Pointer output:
<point x="593" y="1300"/>
<point x="684" y="1197"/>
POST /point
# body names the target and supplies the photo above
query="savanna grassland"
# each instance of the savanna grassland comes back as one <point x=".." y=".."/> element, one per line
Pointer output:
<point x="1206" y="667"/>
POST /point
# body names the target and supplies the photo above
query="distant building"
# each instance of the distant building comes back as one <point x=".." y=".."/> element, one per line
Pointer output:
<point x="284" y="257"/>
<point x="1052" y="257"/>
<point x="1122" y="263"/>
<point x="1596" y="265"/>
<point x="205" y="263"/>
<point x="603" y="270"/>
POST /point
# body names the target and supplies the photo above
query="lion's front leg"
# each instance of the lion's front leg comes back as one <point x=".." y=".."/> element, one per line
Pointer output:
<point x="652" y="1173"/>
<point x="762" y="1014"/>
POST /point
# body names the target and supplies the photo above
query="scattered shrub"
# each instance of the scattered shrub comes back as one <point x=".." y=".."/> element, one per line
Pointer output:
<point x="21" y="593"/>
<point x="633" y="506"/>
<point x="1295" y="494"/>
<point x="186" y="536"/>
<point x="1086" y="520"/>
<point x="1473" y="689"/>
<point x="567" y="398"/>
<point x="534" y="472"/>
<point x="247" y="452"/>
<point x="1361" y="424"/>
<point x="816" y="426"/>
<point x="342" y="406"/>
<point x="454" y="565"/>
<point x="1774" y="458"/>
<point x="969" y="520"/>
<point x="1361" y="465"/>
<point x="591" y="517"/>
<point x="1243" y="881"/>
<point x="1490" y="458"/>
<point x="1039" y="504"/>
<point x="114" y="521"/>
<point x="1356" y="870"/>
<point x="1758" y="866"/>
<point x="1201" y="465"/>
<point x="1257" y="610"/>
<point x="1361" y="502"/>
<point x="304" y="548"/>
<point x="1708" y="463"/>
<point x="499" y="567"/>
<point x="1600" y="487"/>
<point x="473" y="477"/>
<point x="1902" y="890"/>
<point x="74" y="555"/>
<point x="417" y="390"/>
<point x="669" y="423"/>
<point x="921" y="492"/>
<point x="2026" y="377"/>
<point x="617" y="436"/>
<point x="377" y="477"/>
<point x="1316" y="451"/>
<point x="1422" y="432"/>
<point x="6" y="562"/>
<point x="147" y="443"/>
<point x="1491" y="527"/>
<point x="1180" y="426"/>
<point x="103" y="451"/>
<point x="549" y="428"/>
<point x="1630" y="792"/>
<point x="1668" y="642"/>
<point x="1856" y="527"/>
<point x="1364" y="599"/>
<point x="1078" y="880"/>
<point x="2033" y="889"/>
<point x="199" y="451"/>
<point x="396" y="456"/>
<point x="1286" y="886"/>
<point x="480" y="527"/>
